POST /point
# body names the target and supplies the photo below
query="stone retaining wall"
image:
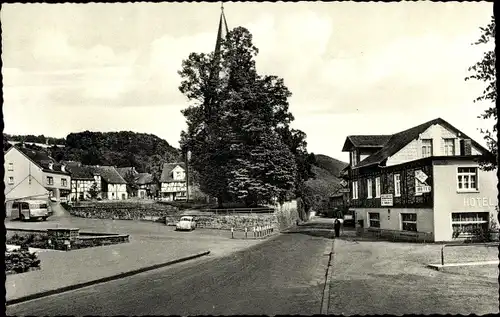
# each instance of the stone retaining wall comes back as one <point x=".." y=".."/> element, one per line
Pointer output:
<point x="226" y="222"/>
<point x="286" y="215"/>
<point x="123" y="211"/>
<point x="92" y="241"/>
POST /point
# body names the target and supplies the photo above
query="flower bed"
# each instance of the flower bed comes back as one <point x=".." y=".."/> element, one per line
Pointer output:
<point x="40" y="239"/>
<point x="36" y="240"/>
<point x="20" y="261"/>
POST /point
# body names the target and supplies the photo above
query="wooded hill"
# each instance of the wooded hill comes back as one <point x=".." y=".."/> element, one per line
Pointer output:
<point x="326" y="181"/>
<point x="145" y="152"/>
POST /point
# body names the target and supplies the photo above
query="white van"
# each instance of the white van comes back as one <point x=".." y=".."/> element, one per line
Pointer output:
<point x="32" y="209"/>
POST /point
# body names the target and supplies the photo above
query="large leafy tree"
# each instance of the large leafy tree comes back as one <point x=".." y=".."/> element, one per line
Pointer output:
<point x="234" y="122"/>
<point x="485" y="71"/>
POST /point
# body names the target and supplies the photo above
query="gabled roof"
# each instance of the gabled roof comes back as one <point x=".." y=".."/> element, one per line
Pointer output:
<point x="166" y="173"/>
<point x="143" y="178"/>
<point x="364" y="141"/>
<point x="123" y="171"/>
<point x="81" y="172"/>
<point x="401" y="139"/>
<point x="109" y="174"/>
<point x="42" y="160"/>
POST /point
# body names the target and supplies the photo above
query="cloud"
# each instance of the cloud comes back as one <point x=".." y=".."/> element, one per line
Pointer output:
<point x="347" y="64"/>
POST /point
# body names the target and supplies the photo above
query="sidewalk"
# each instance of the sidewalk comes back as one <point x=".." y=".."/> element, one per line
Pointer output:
<point x="64" y="269"/>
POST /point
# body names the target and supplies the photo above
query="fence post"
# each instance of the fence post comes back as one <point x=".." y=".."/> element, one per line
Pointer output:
<point x="442" y="255"/>
<point x="232" y="233"/>
<point x="246" y="229"/>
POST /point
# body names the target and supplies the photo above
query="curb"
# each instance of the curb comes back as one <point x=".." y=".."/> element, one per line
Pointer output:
<point x="325" y="301"/>
<point x="441" y="267"/>
<point x="101" y="280"/>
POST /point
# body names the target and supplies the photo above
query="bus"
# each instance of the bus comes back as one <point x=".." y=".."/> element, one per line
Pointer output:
<point x="32" y="209"/>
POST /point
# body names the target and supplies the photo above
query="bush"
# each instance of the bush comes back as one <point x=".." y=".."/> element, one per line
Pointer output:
<point x="20" y="261"/>
<point x="32" y="241"/>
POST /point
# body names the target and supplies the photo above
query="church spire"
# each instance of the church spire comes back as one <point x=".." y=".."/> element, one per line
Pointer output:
<point x="223" y="29"/>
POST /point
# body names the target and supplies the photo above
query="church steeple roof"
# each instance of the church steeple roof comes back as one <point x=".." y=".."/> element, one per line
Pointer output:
<point x="223" y="30"/>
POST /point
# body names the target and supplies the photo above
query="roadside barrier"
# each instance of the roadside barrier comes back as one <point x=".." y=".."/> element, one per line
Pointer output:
<point x="464" y="245"/>
<point x="258" y="232"/>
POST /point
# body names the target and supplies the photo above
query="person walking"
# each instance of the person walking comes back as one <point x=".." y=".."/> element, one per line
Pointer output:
<point x="336" y="227"/>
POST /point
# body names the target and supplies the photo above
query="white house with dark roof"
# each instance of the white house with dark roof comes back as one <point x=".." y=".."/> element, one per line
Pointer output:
<point x="146" y="185"/>
<point x="83" y="179"/>
<point x="113" y="186"/>
<point x="142" y="184"/>
<point x="173" y="182"/>
<point x="31" y="174"/>
<point x="424" y="182"/>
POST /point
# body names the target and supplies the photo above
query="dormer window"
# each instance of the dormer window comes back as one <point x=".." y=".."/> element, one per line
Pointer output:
<point x="449" y="147"/>
<point x="51" y="166"/>
<point x="426" y="147"/>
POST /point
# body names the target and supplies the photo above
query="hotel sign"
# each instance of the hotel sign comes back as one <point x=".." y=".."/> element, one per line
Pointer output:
<point x="421" y="176"/>
<point x="423" y="189"/>
<point x="386" y="200"/>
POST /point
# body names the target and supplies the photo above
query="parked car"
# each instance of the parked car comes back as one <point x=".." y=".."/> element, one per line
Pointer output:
<point x="186" y="223"/>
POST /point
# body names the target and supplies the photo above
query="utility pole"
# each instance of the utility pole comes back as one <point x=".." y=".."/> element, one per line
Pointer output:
<point x="187" y="174"/>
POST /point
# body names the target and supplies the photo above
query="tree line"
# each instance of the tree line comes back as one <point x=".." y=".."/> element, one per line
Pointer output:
<point x="145" y="152"/>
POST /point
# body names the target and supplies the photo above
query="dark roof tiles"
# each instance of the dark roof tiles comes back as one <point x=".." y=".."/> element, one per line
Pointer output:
<point x="401" y="139"/>
<point x="109" y="174"/>
<point x="144" y="178"/>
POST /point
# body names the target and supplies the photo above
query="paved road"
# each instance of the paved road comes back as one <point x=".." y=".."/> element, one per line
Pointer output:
<point x="285" y="276"/>
<point x="281" y="276"/>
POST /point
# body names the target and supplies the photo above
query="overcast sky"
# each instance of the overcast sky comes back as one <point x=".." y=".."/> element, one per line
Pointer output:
<point x="353" y="68"/>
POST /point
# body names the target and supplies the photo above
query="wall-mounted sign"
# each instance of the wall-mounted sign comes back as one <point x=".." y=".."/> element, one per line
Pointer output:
<point x="386" y="200"/>
<point x="421" y="176"/>
<point x="344" y="190"/>
<point x="423" y="189"/>
<point x="343" y="183"/>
